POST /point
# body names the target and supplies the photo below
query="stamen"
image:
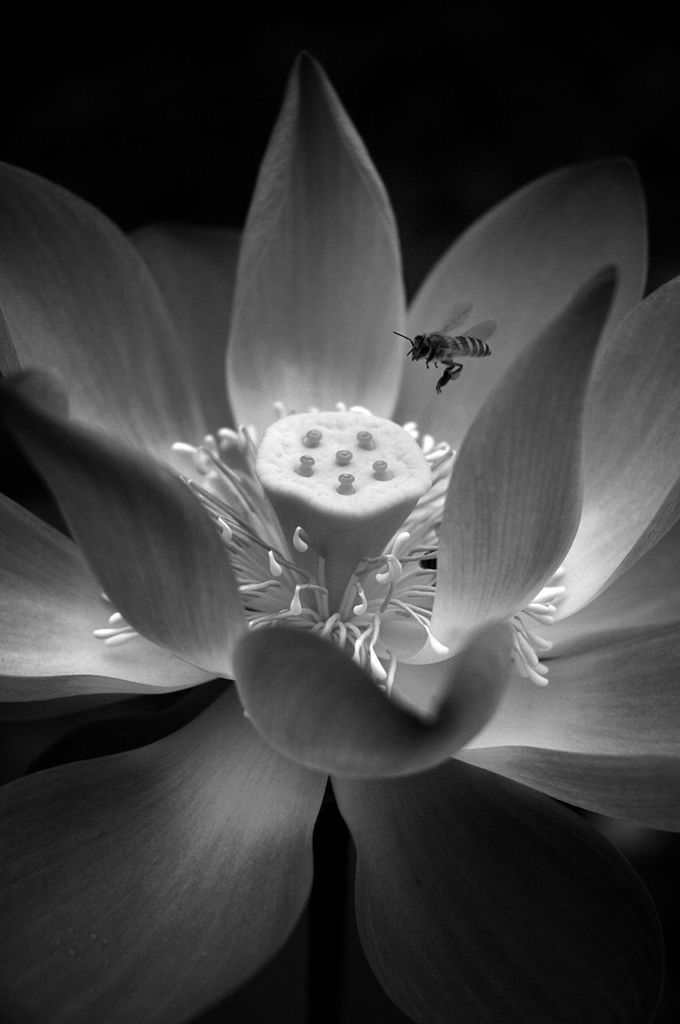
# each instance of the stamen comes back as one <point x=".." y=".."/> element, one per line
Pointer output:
<point x="360" y="608"/>
<point x="121" y="638"/>
<point x="298" y="543"/>
<point x="527" y="644"/>
<point x="274" y="567"/>
<point x="227" y="532"/>
<point x="392" y="572"/>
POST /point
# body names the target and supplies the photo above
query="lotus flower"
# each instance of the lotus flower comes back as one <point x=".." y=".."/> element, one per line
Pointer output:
<point x="449" y="638"/>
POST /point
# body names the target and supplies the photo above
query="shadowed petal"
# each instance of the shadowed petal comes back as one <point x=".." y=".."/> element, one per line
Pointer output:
<point x="514" y="500"/>
<point x="480" y="901"/>
<point x="622" y="697"/>
<point x="645" y="595"/>
<point x="640" y="788"/>
<point x="142" y="886"/>
<point x="149" y="542"/>
<point x="79" y="301"/>
<point x="195" y="268"/>
<point x="49" y="605"/>
<point x="632" y="447"/>
<point x="311" y="702"/>
<point x="519" y="265"/>
<point x="319" y="289"/>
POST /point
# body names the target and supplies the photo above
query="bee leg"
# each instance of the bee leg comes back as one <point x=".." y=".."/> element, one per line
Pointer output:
<point x="450" y="373"/>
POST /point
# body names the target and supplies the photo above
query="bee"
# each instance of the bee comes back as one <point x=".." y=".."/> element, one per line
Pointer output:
<point x="441" y="346"/>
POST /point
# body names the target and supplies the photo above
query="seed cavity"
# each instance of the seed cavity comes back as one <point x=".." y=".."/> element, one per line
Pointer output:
<point x="346" y="484"/>
<point x="381" y="471"/>
<point x="312" y="439"/>
<point x="366" y="440"/>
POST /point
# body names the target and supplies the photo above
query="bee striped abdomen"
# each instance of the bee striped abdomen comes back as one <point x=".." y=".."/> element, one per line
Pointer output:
<point x="466" y="345"/>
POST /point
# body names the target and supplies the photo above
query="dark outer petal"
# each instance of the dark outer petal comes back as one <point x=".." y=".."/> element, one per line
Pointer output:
<point x="480" y="901"/>
<point x="640" y="788"/>
<point x="143" y="886"/>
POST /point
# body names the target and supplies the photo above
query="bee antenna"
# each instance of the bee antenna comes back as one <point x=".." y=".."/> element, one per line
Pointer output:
<point x="403" y="336"/>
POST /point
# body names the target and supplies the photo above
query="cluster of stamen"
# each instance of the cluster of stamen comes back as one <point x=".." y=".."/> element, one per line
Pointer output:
<point x="359" y="570"/>
<point x="527" y="643"/>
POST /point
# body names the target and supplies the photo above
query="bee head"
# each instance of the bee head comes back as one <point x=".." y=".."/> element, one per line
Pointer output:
<point x="418" y="347"/>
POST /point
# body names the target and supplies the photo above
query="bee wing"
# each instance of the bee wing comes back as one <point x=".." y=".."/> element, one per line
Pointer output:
<point x="458" y="314"/>
<point x="482" y="330"/>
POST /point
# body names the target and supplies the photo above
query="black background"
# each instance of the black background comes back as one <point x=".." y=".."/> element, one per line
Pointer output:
<point x="152" y="116"/>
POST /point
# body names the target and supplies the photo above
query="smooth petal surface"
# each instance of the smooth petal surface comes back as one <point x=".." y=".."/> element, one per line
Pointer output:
<point x="644" y="596"/>
<point x="195" y="268"/>
<point x="319" y="288"/>
<point x="632" y="447"/>
<point x="79" y="301"/>
<point x="480" y="901"/>
<point x="642" y="789"/>
<point x="142" y="886"/>
<point x="621" y="697"/>
<point x="149" y="542"/>
<point x="519" y="265"/>
<point x="49" y="605"/>
<point x="514" y="500"/>
<point x="311" y="702"/>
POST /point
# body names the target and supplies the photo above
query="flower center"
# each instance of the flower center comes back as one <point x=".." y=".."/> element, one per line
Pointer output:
<point x="350" y="496"/>
<point x="332" y="525"/>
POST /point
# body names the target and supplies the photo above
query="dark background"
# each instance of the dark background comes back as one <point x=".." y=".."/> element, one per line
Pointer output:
<point x="151" y="116"/>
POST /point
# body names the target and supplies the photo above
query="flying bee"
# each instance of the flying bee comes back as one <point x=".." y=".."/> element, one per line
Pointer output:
<point x="441" y="346"/>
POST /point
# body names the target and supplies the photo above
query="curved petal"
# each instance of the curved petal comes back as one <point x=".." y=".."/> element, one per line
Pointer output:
<point x="49" y="606"/>
<point x="645" y="595"/>
<point x="478" y="901"/>
<point x="620" y="698"/>
<point x="519" y="265"/>
<point x="319" y="289"/>
<point x="632" y="447"/>
<point x="639" y="788"/>
<point x="149" y="542"/>
<point x="311" y="702"/>
<point x="195" y="268"/>
<point x="514" y="499"/>
<point x="144" y="885"/>
<point x="79" y="301"/>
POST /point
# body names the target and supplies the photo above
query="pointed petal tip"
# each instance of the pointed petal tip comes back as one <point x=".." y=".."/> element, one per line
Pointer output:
<point x="321" y="227"/>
